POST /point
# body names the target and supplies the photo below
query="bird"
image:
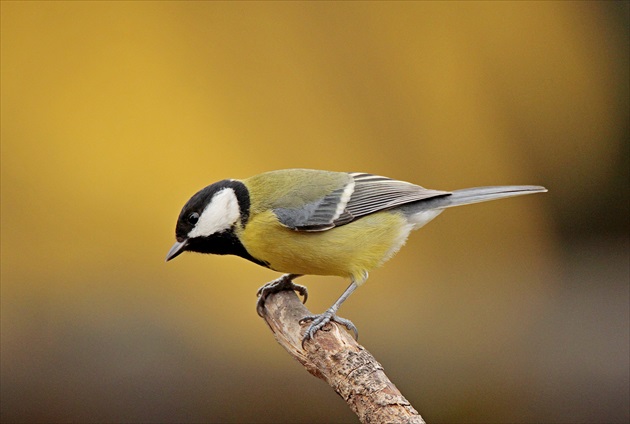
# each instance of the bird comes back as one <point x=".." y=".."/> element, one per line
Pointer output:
<point x="313" y="222"/>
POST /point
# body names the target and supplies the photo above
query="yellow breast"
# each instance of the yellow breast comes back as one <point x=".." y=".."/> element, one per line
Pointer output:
<point x="347" y="251"/>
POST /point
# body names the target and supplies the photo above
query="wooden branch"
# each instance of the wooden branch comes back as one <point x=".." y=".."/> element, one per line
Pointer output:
<point x="335" y="357"/>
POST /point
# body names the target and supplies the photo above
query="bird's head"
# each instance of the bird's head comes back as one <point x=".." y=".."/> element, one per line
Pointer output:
<point x="207" y="221"/>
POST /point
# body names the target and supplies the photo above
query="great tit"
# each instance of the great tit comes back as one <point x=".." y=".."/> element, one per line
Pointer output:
<point x="302" y="221"/>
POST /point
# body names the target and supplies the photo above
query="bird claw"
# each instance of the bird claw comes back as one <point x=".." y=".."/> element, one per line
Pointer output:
<point x="320" y="320"/>
<point x="280" y="284"/>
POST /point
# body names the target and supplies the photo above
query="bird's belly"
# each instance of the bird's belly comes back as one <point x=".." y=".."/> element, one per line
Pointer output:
<point x="349" y="251"/>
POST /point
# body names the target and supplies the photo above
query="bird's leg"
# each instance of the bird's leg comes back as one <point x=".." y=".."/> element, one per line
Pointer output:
<point x="320" y="320"/>
<point x="279" y="284"/>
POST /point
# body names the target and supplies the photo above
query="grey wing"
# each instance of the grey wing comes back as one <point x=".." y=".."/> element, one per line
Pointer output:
<point x="363" y="195"/>
<point x="319" y="215"/>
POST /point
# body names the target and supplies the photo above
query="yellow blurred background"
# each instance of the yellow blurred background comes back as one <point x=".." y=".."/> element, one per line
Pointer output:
<point x="114" y="113"/>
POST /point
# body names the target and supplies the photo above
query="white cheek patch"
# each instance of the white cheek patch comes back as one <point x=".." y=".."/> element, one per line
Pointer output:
<point x="221" y="213"/>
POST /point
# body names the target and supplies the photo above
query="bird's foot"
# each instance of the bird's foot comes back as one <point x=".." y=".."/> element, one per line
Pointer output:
<point x="319" y="321"/>
<point x="279" y="284"/>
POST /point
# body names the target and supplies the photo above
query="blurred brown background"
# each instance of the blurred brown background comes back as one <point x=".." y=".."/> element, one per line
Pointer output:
<point x="113" y="114"/>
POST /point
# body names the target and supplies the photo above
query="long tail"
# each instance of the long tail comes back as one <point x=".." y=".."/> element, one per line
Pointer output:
<point x="423" y="211"/>
<point x="483" y="194"/>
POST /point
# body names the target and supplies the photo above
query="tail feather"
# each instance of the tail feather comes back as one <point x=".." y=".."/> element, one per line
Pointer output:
<point x="417" y="212"/>
<point x="483" y="194"/>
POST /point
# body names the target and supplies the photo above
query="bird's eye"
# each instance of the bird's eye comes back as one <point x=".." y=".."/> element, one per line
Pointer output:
<point x="193" y="218"/>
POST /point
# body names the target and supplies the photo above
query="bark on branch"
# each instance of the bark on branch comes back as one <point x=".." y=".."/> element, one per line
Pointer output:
<point x="335" y="357"/>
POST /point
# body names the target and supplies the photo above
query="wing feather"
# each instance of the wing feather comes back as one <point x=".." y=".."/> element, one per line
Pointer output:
<point x="363" y="195"/>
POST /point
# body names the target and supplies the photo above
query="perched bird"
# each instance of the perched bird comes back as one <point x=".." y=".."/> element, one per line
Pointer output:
<point x="302" y="221"/>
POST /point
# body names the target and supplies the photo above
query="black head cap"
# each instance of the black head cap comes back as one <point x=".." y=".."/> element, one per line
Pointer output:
<point x="195" y="230"/>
